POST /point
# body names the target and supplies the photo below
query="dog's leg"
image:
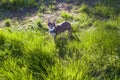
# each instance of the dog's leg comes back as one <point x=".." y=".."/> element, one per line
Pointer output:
<point x="70" y="32"/>
<point x="55" y="37"/>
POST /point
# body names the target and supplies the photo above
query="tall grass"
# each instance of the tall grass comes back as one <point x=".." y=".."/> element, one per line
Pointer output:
<point x="25" y="51"/>
<point x="34" y="56"/>
<point x="102" y="9"/>
<point x="93" y="52"/>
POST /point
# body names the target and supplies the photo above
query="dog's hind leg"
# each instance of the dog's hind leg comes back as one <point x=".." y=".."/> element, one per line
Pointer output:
<point x="70" y="32"/>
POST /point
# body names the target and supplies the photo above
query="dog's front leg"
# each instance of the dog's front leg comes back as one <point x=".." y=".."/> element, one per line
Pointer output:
<point x="55" y="37"/>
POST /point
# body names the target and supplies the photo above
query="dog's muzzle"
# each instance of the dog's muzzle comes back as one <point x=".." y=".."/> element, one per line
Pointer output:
<point x="52" y="31"/>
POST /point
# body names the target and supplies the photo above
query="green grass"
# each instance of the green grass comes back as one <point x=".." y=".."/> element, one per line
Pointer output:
<point x="92" y="52"/>
<point x="66" y="15"/>
<point x="24" y="49"/>
<point x="21" y="4"/>
<point x="35" y="56"/>
<point x="13" y="4"/>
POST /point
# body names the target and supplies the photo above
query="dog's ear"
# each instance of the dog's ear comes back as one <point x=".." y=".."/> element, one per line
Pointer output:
<point x="53" y="24"/>
<point x="49" y="20"/>
<point x="54" y="21"/>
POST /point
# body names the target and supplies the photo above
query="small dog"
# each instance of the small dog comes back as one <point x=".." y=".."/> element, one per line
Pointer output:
<point x="57" y="29"/>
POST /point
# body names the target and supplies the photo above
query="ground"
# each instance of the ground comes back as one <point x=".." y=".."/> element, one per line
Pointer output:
<point x="24" y="16"/>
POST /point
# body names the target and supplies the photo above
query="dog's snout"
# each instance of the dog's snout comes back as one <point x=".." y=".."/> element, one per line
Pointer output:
<point x="51" y="25"/>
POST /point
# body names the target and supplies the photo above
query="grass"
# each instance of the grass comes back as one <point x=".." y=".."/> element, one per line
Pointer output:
<point x="83" y="8"/>
<point x="66" y="16"/>
<point x="13" y="4"/>
<point x="93" y="52"/>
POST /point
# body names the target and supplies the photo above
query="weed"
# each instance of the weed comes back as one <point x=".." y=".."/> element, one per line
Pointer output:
<point x="39" y="23"/>
<point x="83" y="8"/>
<point x="7" y="22"/>
<point x="66" y="16"/>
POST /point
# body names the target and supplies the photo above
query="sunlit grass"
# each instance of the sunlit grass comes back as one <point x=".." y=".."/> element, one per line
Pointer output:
<point x="66" y="15"/>
<point x="91" y="53"/>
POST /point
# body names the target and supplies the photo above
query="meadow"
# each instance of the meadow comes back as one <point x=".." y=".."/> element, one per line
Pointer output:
<point x="29" y="52"/>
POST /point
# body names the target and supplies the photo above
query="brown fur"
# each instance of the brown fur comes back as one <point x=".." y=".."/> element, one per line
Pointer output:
<point x="61" y="28"/>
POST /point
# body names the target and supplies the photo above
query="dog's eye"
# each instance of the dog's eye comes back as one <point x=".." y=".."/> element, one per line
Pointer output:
<point x="49" y="25"/>
<point x="53" y="24"/>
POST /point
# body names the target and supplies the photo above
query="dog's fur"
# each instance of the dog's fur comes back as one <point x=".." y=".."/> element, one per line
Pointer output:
<point x="60" y="28"/>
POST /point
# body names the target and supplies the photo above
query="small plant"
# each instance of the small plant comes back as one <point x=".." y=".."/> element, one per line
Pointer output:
<point x="52" y="7"/>
<point x="7" y="22"/>
<point x="38" y="22"/>
<point x="83" y="8"/>
<point x="42" y="8"/>
<point x="66" y="15"/>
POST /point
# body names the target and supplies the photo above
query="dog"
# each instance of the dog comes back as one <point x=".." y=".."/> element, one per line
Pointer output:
<point x="57" y="29"/>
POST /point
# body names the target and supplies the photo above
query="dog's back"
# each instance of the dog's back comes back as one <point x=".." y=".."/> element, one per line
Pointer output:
<point x="63" y="27"/>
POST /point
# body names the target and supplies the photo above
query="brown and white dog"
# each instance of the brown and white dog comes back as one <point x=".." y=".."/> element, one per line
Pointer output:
<point x="57" y="29"/>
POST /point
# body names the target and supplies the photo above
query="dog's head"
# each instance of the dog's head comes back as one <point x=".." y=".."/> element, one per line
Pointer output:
<point x="51" y="24"/>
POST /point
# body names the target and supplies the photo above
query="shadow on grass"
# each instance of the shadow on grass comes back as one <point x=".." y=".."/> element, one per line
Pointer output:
<point x="38" y="63"/>
<point x="22" y="12"/>
<point x="105" y="9"/>
<point x="18" y="14"/>
<point x="62" y="42"/>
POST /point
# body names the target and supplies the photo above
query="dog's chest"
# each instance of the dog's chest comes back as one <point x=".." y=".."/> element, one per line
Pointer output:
<point x="52" y="31"/>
